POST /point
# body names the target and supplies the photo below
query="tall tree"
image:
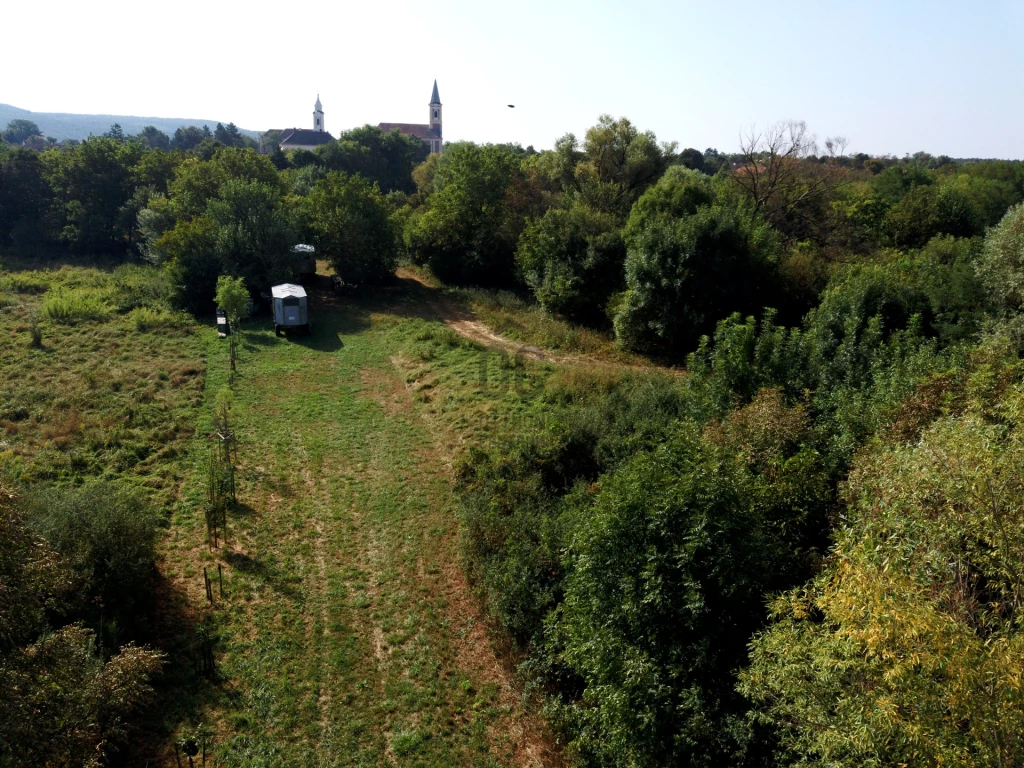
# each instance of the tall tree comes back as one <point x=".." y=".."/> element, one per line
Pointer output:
<point x="19" y="130"/>
<point x="352" y="228"/>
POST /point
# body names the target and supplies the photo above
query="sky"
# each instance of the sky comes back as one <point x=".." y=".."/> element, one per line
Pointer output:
<point x="893" y="77"/>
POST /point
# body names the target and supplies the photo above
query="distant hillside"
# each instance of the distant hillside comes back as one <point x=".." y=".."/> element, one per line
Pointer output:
<point x="62" y="125"/>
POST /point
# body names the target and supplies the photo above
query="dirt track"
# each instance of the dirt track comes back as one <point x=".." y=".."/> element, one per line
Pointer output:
<point x="457" y="317"/>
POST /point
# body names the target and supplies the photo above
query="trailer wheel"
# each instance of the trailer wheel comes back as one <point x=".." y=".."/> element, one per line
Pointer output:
<point x="277" y="329"/>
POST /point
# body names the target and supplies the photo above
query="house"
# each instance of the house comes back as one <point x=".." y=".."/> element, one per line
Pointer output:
<point x="429" y="132"/>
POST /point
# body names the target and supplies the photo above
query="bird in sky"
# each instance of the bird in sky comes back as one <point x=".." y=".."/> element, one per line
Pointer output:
<point x="511" y="106"/>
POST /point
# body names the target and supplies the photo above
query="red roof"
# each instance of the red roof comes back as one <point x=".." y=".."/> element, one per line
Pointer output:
<point x="411" y="129"/>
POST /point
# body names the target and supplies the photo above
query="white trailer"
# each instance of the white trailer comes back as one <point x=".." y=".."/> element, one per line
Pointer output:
<point x="291" y="309"/>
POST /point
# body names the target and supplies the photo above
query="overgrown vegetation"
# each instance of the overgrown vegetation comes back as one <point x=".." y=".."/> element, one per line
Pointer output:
<point x="801" y="552"/>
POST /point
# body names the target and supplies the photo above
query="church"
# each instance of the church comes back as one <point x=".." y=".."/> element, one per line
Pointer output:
<point x="429" y="132"/>
<point x="299" y="138"/>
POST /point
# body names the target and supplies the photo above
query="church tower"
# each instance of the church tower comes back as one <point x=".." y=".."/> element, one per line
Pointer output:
<point x="318" y="114"/>
<point x="435" y="113"/>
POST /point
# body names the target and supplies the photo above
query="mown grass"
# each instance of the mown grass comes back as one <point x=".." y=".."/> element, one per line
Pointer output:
<point x="347" y="635"/>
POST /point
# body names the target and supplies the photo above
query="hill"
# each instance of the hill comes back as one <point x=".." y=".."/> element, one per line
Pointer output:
<point x="64" y="125"/>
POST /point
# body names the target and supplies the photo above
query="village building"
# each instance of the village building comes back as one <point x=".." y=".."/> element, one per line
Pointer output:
<point x="301" y="138"/>
<point x="429" y="132"/>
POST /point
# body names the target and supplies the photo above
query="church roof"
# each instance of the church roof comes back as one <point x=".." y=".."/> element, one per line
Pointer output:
<point x="411" y="129"/>
<point x="434" y="98"/>
<point x="301" y="137"/>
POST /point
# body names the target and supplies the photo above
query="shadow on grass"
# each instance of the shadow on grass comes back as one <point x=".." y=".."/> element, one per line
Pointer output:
<point x="281" y="583"/>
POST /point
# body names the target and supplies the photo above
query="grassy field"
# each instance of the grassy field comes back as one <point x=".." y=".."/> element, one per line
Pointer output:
<point x="345" y="634"/>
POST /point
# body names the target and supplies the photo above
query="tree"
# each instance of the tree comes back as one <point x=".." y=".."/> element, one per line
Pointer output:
<point x="907" y="649"/>
<point x="64" y="705"/>
<point x="1001" y="266"/>
<point x="687" y="265"/>
<point x="93" y="183"/>
<point x="385" y="158"/>
<point x="352" y="228"/>
<point x="618" y="164"/>
<point x="228" y="135"/>
<point x="467" y="232"/>
<point x="152" y="137"/>
<point x="666" y="571"/>
<point x="782" y="180"/>
<point x="25" y="199"/>
<point x="253" y="232"/>
<point x="233" y="297"/>
<point x="107" y="535"/>
<point x="188" y="137"/>
<point x="692" y="158"/>
<point x="188" y="250"/>
<point x="572" y="261"/>
<point x="115" y="132"/>
<point x="19" y="130"/>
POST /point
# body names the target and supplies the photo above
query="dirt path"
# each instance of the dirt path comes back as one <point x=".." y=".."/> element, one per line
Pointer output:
<point x="457" y="317"/>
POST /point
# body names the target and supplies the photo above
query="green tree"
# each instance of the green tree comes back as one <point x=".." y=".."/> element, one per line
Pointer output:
<point x="93" y="185"/>
<point x="385" y="158"/>
<point x="25" y="199"/>
<point x="572" y="261"/>
<point x="667" y="567"/>
<point x="353" y="229"/>
<point x="64" y="705"/>
<point x="19" y="130"/>
<point x="907" y="649"/>
<point x="188" y="137"/>
<point x="618" y="164"/>
<point x="152" y="137"/>
<point x="107" y="534"/>
<point x="682" y="276"/>
<point x="228" y="135"/>
<point x="233" y="297"/>
<point x="468" y="230"/>
<point x="188" y="251"/>
<point x="253" y="232"/>
<point x="1001" y="267"/>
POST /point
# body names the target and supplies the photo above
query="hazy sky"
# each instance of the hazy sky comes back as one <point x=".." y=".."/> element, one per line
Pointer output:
<point x="894" y="77"/>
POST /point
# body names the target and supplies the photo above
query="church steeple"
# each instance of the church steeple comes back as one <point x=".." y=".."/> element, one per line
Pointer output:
<point x="318" y="115"/>
<point x="435" y="111"/>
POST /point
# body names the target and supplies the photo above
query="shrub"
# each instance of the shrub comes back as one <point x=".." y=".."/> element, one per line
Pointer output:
<point x="145" y="319"/>
<point x="135" y="286"/>
<point x="70" y="306"/>
<point x="107" y="533"/>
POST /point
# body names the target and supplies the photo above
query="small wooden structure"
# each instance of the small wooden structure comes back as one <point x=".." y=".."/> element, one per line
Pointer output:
<point x="291" y="309"/>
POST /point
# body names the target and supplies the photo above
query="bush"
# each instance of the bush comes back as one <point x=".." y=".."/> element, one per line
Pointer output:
<point x="667" y="565"/>
<point x="1001" y="267"/>
<point x="682" y="276"/>
<point x="572" y="260"/>
<point x="907" y="649"/>
<point x="135" y="286"/>
<point x="107" y="533"/>
<point x="72" y="306"/>
<point x="144" y="319"/>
